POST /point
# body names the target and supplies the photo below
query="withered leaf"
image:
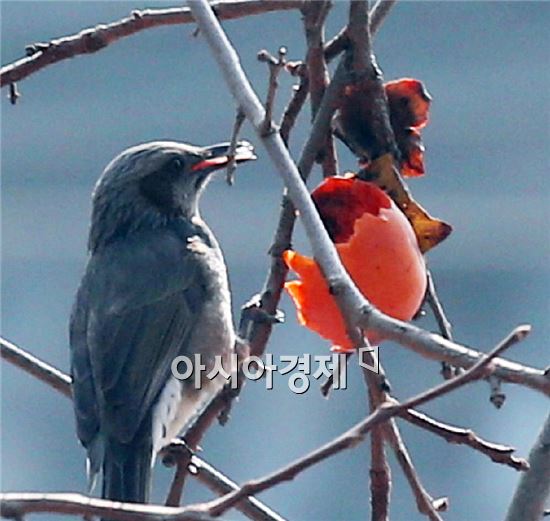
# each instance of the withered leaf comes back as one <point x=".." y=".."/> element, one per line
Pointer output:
<point x="429" y="230"/>
<point x="409" y="105"/>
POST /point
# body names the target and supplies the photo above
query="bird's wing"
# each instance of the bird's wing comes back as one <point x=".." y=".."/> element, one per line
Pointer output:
<point x="134" y="313"/>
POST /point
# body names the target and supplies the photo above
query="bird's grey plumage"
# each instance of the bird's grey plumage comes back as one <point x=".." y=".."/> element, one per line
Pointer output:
<point x="155" y="287"/>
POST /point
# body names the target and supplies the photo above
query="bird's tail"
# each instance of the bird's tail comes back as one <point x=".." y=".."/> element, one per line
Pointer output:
<point x="127" y="472"/>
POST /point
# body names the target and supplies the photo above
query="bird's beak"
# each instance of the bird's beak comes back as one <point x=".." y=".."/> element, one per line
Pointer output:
<point x="217" y="156"/>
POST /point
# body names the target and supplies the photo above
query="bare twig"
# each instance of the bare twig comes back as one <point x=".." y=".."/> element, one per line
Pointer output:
<point x="379" y="13"/>
<point x="270" y="295"/>
<point x="425" y="503"/>
<point x="432" y="299"/>
<point x="214" y="480"/>
<point x="377" y="384"/>
<point x="357" y="433"/>
<point x="61" y="382"/>
<point x="232" y="164"/>
<point x="443" y="323"/>
<point x="380" y="472"/>
<point x="380" y="477"/>
<point x="275" y="66"/>
<point x="331" y="50"/>
<point x="30" y="364"/>
<point x="533" y="489"/>
<point x="359" y="35"/>
<point x="296" y="102"/>
<point x="314" y="16"/>
<point x="96" y="38"/>
<point x="269" y="298"/>
<point x="435" y="347"/>
<point x="221" y="484"/>
<point x="340" y="42"/>
<point x="498" y="453"/>
<point x="16" y="505"/>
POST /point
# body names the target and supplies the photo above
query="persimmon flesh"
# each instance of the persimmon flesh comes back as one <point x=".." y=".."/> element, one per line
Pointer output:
<point x="378" y="248"/>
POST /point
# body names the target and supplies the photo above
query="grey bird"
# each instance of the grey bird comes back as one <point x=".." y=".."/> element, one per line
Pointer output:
<point x="155" y="287"/>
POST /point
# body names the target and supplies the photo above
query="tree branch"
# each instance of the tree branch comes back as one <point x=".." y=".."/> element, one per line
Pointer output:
<point x="15" y="506"/>
<point x="93" y="39"/>
<point x="61" y="382"/>
<point x="425" y="503"/>
<point x="376" y="384"/>
<point x="331" y="50"/>
<point x="445" y="327"/>
<point x="30" y="364"/>
<point x="533" y="489"/>
<point x="340" y="42"/>
<point x="380" y="472"/>
<point x="221" y="484"/>
<point x="314" y="16"/>
<point x="498" y="453"/>
<point x="357" y="433"/>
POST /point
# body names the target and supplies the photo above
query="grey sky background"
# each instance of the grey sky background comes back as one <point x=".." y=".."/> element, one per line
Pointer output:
<point x="486" y="66"/>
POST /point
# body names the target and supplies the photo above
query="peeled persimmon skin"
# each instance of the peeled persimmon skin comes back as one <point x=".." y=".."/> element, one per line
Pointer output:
<point x="381" y="256"/>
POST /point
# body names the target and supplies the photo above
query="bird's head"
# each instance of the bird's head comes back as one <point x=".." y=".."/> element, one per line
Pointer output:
<point x="149" y="184"/>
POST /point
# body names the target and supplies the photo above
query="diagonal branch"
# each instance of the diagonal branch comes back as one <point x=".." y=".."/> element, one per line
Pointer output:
<point x="533" y="489"/>
<point x="17" y="505"/>
<point x="498" y="453"/>
<point x="378" y="395"/>
<point x="91" y="40"/>
<point x="206" y="473"/>
<point x="357" y="433"/>
<point x="314" y="16"/>
<point x="34" y="366"/>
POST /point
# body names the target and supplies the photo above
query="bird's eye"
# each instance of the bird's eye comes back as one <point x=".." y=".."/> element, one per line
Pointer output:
<point x="176" y="164"/>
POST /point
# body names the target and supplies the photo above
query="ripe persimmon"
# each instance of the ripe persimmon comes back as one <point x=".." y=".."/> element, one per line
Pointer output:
<point x="377" y="246"/>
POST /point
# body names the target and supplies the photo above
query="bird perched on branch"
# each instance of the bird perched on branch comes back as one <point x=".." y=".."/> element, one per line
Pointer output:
<point x="155" y="288"/>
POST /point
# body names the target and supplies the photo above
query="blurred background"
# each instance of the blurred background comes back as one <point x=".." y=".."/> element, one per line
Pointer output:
<point x="486" y="66"/>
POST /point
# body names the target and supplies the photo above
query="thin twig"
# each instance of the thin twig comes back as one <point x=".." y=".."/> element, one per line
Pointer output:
<point x="445" y="327"/>
<point x="380" y="472"/>
<point x="357" y="433"/>
<point x="533" y="489"/>
<point x="359" y="35"/>
<point x="432" y="299"/>
<point x="268" y="299"/>
<point x="96" y="38"/>
<point x="296" y="102"/>
<point x="340" y="42"/>
<point x="275" y="66"/>
<point x="17" y="505"/>
<point x="377" y="384"/>
<point x="498" y="453"/>
<point x="232" y="164"/>
<point x="379" y="12"/>
<point x="331" y="50"/>
<point x="314" y="16"/>
<point x="46" y="373"/>
<point x="380" y="477"/>
<point x="61" y="382"/>
<point x="221" y="484"/>
<point x="425" y="503"/>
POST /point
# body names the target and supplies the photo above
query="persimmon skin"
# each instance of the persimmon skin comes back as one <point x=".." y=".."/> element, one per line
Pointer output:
<point x="381" y="256"/>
